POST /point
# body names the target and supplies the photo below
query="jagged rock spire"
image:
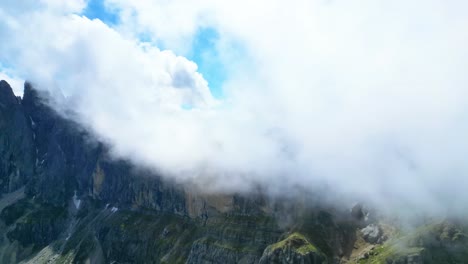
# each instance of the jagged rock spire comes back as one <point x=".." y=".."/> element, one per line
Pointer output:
<point x="7" y="97"/>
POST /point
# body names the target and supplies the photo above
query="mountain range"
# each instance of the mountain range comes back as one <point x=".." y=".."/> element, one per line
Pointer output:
<point x="66" y="199"/>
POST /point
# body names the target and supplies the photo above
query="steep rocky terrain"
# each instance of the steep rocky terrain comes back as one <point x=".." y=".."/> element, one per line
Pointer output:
<point x="64" y="200"/>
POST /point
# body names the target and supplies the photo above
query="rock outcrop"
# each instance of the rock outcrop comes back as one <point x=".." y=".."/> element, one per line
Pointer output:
<point x="16" y="142"/>
<point x="373" y="234"/>
<point x="293" y="249"/>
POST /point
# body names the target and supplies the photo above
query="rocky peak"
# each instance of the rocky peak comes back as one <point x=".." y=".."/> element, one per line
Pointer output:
<point x="7" y="97"/>
<point x="30" y="93"/>
<point x="33" y="103"/>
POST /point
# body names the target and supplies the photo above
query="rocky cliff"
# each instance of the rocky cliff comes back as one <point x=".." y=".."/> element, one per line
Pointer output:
<point x="65" y="200"/>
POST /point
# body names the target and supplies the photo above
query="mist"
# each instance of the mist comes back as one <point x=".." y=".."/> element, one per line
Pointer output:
<point x="368" y="98"/>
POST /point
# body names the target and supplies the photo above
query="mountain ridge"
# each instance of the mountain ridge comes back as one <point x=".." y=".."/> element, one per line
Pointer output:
<point x="66" y="200"/>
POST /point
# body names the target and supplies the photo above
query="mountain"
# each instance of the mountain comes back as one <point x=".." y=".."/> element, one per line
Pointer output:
<point x="64" y="199"/>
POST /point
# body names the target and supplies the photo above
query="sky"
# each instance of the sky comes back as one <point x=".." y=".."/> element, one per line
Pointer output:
<point x="366" y="97"/>
<point x="202" y="51"/>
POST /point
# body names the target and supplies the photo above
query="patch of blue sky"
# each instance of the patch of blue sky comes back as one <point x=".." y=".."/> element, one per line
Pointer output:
<point x="96" y="9"/>
<point x="8" y="70"/>
<point x="205" y="54"/>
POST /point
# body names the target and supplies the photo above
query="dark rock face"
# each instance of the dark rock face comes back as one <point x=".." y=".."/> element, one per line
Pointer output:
<point x="39" y="228"/>
<point x="117" y="182"/>
<point x="65" y="156"/>
<point x="69" y="160"/>
<point x="17" y="149"/>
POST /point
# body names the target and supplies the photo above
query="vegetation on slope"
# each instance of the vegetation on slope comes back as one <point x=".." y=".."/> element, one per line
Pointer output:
<point x="444" y="242"/>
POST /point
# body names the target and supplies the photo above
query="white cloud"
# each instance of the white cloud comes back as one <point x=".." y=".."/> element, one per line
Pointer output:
<point x="368" y="96"/>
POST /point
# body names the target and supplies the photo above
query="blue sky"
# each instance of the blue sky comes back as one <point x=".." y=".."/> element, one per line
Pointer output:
<point x="96" y="9"/>
<point x="205" y="54"/>
<point x="203" y="51"/>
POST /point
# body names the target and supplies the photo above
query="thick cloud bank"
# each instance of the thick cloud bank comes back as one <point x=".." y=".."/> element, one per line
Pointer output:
<point x="367" y="97"/>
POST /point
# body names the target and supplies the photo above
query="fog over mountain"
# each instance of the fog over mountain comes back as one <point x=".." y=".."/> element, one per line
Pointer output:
<point x="369" y="98"/>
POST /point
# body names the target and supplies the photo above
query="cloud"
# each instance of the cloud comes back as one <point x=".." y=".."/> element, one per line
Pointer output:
<point x="367" y="97"/>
